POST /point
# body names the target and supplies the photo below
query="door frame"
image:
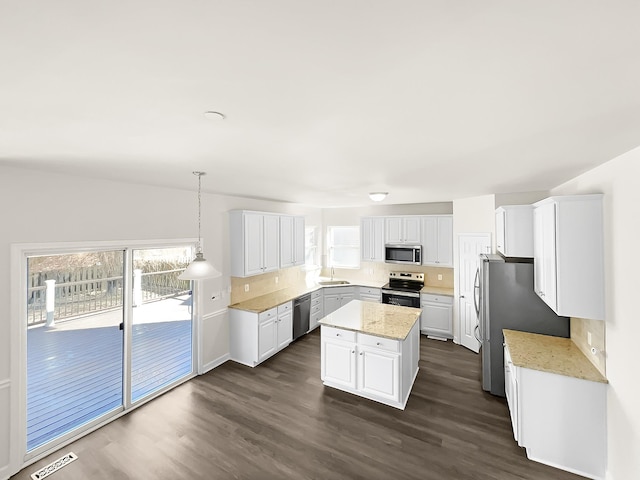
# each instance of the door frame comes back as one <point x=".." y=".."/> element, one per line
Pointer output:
<point x="18" y="456"/>
<point x="489" y="245"/>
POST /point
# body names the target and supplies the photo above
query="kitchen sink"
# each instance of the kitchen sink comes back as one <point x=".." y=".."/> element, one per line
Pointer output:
<point x="333" y="282"/>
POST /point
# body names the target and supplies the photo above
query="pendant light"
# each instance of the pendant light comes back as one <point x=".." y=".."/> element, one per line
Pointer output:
<point x="199" y="268"/>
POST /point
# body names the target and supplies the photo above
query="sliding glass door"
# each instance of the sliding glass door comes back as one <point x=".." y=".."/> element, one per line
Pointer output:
<point x="105" y="330"/>
<point x="74" y="342"/>
<point x="161" y="337"/>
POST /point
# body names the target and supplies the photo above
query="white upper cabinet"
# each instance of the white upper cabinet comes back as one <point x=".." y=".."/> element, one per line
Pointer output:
<point x="514" y="230"/>
<point x="437" y="240"/>
<point x="403" y="230"/>
<point x="291" y="241"/>
<point x="372" y="239"/>
<point x="255" y="243"/>
<point x="568" y="255"/>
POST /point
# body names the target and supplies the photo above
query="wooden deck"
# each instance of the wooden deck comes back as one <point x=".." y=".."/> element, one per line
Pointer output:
<point x="75" y="369"/>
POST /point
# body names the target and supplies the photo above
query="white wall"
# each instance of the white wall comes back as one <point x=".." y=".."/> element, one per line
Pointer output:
<point x="43" y="207"/>
<point x="619" y="180"/>
<point x="470" y="215"/>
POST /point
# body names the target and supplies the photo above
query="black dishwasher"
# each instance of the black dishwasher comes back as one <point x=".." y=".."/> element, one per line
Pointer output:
<point x="301" y="313"/>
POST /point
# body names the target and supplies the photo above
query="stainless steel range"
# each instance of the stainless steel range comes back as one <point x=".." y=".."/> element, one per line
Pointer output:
<point x="403" y="289"/>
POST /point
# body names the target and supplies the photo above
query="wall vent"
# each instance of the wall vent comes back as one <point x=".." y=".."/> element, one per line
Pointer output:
<point x="53" y="467"/>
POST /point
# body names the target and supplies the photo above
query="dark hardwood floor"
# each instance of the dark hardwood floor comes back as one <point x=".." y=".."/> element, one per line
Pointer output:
<point x="277" y="421"/>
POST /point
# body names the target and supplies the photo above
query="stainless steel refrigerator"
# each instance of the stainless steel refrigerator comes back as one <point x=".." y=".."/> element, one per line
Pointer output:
<point x="505" y="298"/>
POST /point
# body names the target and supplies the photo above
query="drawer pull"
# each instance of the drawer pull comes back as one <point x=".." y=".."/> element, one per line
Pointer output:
<point x="378" y="343"/>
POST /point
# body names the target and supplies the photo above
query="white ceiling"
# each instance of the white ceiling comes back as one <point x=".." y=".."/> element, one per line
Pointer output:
<point x="325" y="100"/>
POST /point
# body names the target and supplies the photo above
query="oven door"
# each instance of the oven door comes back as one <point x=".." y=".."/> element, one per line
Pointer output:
<point x="403" y="299"/>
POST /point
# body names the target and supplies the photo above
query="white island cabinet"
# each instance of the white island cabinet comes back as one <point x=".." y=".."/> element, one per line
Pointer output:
<point x="371" y="350"/>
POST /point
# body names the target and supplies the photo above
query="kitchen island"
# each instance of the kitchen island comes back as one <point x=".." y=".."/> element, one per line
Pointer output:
<point x="371" y="350"/>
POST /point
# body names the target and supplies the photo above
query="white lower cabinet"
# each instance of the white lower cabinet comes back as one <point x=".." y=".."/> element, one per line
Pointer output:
<point x="369" y="294"/>
<point x="437" y="315"/>
<point x="336" y="297"/>
<point x="317" y="309"/>
<point x="373" y="367"/>
<point x="254" y="337"/>
<point x="559" y="420"/>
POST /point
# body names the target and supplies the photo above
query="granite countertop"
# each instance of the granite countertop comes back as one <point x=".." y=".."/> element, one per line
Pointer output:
<point x="437" y="290"/>
<point x="550" y="354"/>
<point x="381" y="320"/>
<point x="265" y="302"/>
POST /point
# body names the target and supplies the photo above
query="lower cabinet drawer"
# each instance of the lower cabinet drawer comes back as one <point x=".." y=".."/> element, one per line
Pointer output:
<point x="338" y="334"/>
<point x="378" y="342"/>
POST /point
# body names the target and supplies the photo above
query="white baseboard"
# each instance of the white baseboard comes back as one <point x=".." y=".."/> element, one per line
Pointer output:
<point x="215" y="363"/>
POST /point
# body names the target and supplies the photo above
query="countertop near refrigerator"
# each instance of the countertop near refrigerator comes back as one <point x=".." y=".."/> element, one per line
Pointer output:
<point x="550" y="354"/>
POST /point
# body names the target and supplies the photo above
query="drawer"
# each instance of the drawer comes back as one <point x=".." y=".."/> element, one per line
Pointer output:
<point x="316" y="301"/>
<point x="316" y="309"/>
<point x="378" y="342"/>
<point x="272" y="313"/>
<point x="338" y="334"/>
<point x="370" y="291"/>
<point x="285" y="307"/>
<point x="316" y="294"/>
<point x="429" y="297"/>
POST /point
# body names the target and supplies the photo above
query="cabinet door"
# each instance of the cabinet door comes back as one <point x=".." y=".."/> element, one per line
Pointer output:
<point x="445" y="241"/>
<point x="500" y="231"/>
<point x="372" y="239"/>
<point x="339" y="363"/>
<point x="379" y="373"/>
<point x="286" y="241"/>
<point x="298" y="241"/>
<point x="253" y="235"/>
<point x="437" y="319"/>
<point x="267" y="336"/>
<point x="271" y="243"/>
<point x="544" y="217"/>
<point x="393" y="230"/>
<point x="366" y="239"/>
<point x="285" y="329"/>
<point x="331" y="303"/>
<point x="429" y="240"/>
<point x="346" y="298"/>
<point x="412" y="230"/>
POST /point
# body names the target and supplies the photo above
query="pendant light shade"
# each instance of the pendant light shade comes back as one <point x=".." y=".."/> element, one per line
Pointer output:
<point x="199" y="268"/>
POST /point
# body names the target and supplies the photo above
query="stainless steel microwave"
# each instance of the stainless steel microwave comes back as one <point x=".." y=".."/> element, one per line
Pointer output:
<point x="407" y="254"/>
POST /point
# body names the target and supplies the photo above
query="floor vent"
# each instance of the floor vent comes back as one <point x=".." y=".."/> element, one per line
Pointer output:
<point x="53" y="467"/>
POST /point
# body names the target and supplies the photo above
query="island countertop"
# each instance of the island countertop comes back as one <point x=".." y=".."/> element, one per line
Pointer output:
<point x="379" y="319"/>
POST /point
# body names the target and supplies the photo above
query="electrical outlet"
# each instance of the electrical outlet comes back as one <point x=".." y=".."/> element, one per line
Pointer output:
<point x="277" y="280"/>
<point x="589" y="338"/>
<point x="246" y="287"/>
<point x="439" y="276"/>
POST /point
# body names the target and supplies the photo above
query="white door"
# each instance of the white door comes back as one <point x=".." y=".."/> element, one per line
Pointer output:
<point x="470" y="246"/>
<point x="338" y="363"/>
<point x="379" y="373"/>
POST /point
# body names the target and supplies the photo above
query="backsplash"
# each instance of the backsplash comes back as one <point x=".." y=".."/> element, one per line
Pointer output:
<point x="580" y="328"/>
<point x="369" y="273"/>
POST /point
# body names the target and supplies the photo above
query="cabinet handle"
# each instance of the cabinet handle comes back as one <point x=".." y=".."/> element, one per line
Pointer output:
<point x="361" y="353"/>
<point x="353" y="351"/>
<point x="461" y="296"/>
<point x="378" y="343"/>
<point x="337" y="334"/>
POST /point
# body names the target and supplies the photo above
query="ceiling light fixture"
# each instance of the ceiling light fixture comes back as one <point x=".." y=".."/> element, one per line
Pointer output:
<point x="199" y="268"/>
<point x="213" y="115"/>
<point x="378" y="196"/>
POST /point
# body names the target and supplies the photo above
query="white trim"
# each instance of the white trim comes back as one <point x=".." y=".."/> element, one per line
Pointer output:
<point x="202" y="367"/>
<point x="18" y="338"/>
<point x="207" y="367"/>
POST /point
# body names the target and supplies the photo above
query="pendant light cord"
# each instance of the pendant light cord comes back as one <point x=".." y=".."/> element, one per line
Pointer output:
<point x="199" y="174"/>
